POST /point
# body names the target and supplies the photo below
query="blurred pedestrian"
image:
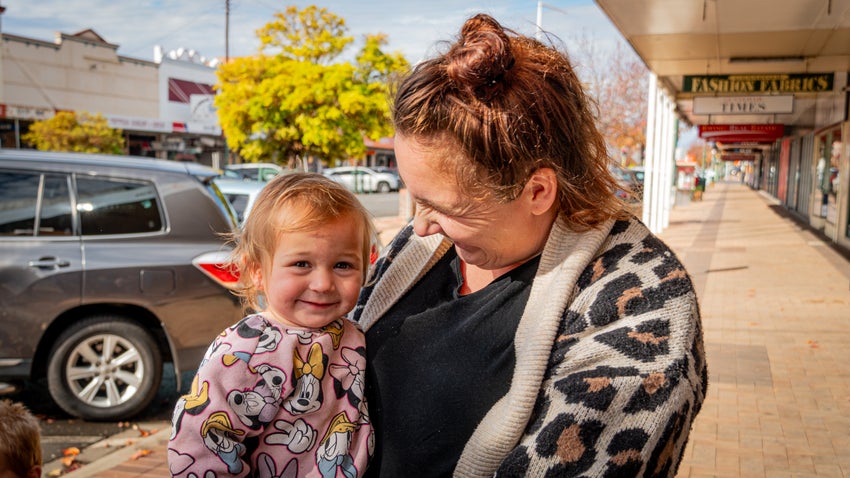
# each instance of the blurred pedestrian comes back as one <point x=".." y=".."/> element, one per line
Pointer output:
<point x="524" y="323"/>
<point x="281" y="392"/>
<point x="20" y="442"/>
<point x="699" y="187"/>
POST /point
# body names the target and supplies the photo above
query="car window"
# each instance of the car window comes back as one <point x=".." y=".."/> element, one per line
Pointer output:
<point x="239" y="203"/>
<point x="222" y="202"/>
<point x="268" y="174"/>
<point x="19" y="192"/>
<point x="109" y="206"/>
<point x="55" y="218"/>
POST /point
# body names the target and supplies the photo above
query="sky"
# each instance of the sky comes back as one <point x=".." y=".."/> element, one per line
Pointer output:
<point x="413" y="27"/>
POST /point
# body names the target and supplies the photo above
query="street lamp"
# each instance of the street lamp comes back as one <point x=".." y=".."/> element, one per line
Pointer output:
<point x="540" y="5"/>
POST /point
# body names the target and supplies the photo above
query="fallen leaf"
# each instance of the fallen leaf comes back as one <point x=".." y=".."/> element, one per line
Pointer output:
<point x="55" y="472"/>
<point x="71" y="451"/>
<point x="67" y="461"/>
<point x="140" y="454"/>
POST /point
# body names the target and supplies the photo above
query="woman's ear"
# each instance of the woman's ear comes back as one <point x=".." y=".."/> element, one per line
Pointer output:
<point x="542" y="190"/>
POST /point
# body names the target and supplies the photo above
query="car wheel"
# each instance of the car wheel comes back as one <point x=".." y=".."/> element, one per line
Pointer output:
<point x="383" y="187"/>
<point x="104" y="368"/>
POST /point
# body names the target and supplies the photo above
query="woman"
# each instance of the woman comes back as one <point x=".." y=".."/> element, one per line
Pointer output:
<point x="524" y="324"/>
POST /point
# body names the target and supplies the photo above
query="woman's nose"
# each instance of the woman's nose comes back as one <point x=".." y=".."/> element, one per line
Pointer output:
<point x="424" y="226"/>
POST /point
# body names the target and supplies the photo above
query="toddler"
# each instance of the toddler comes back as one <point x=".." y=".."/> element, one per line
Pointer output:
<point x="280" y="393"/>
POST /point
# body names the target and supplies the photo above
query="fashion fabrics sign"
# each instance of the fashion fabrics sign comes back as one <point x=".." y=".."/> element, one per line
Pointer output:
<point x="743" y="84"/>
<point x="743" y="105"/>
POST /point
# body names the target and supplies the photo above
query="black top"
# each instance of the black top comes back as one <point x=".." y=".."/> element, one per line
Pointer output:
<point x="438" y="361"/>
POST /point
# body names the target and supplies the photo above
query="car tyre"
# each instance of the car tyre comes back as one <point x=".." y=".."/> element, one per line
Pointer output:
<point x="383" y="187"/>
<point x="104" y="368"/>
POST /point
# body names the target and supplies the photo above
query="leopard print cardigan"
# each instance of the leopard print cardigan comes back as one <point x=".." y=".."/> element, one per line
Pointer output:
<point x="610" y="366"/>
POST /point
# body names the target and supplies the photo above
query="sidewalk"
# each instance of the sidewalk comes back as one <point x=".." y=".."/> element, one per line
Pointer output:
<point x="775" y="303"/>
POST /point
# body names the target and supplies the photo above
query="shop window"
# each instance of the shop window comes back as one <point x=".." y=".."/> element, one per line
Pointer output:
<point x="828" y="173"/>
<point x="7" y="134"/>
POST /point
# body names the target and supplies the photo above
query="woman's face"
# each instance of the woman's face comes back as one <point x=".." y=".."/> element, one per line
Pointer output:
<point x="486" y="233"/>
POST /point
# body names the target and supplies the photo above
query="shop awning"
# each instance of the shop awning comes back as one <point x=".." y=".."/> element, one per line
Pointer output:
<point x="180" y="90"/>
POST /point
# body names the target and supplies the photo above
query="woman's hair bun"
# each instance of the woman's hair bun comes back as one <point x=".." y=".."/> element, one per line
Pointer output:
<point x="480" y="61"/>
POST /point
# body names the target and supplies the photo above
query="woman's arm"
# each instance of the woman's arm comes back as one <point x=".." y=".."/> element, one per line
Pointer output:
<point x="626" y="376"/>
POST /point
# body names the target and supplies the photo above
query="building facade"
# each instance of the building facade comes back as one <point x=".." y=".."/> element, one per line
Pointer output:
<point x="164" y="107"/>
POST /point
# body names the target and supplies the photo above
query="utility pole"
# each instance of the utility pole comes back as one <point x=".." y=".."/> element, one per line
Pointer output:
<point x="539" y="33"/>
<point x="227" y="158"/>
<point x="226" y="31"/>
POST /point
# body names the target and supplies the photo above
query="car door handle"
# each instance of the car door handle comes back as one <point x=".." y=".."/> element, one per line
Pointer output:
<point x="49" y="263"/>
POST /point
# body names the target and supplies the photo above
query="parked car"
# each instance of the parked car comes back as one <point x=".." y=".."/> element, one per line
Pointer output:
<point x="256" y="171"/>
<point x="637" y="173"/>
<point x="360" y="179"/>
<point x="109" y="268"/>
<point x="240" y="194"/>
<point x="631" y="188"/>
<point x="393" y="171"/>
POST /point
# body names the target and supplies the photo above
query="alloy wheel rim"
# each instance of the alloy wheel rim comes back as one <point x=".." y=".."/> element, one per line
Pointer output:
<point x="104" y="370"/>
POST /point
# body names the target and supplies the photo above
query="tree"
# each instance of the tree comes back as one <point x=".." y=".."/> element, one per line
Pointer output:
<point x="294" y="99"/>
<point x="618" y="81"/>
<point x="79" y="132"/>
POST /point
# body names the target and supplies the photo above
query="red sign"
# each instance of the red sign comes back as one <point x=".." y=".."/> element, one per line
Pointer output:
<point x="741" y="133"/>
<point x="738" y="157"/>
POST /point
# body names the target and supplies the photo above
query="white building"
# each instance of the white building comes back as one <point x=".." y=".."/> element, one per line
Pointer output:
<point x="163" y="106"/>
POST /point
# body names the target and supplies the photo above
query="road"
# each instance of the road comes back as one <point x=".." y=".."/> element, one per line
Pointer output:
<point x="381" y="205"/>
<point x="61" y="431"/>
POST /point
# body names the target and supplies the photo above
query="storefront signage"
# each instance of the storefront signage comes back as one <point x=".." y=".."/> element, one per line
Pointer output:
<point x="737" y="157"/>
<point x="26" y="112"/>
<point x="741" y="133"/>
<point x="768" y="83"/>
<point x="137" y="124"/>
<point x="743" y="105"/>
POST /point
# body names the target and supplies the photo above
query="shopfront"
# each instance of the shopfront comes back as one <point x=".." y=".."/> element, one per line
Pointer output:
<point x="832" y="151"/>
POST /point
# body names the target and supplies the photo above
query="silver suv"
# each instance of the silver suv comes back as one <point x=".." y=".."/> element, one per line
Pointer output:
<point x="109" y="268"/>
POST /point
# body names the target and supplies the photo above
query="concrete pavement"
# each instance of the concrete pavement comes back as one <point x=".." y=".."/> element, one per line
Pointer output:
<point x="775" y="303"/>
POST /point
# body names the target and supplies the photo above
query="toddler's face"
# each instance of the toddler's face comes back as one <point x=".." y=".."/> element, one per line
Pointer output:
<point x="315" y="276"/>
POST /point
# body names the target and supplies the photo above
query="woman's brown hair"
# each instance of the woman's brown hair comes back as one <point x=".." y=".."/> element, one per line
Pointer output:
<point x="512" y="105"/>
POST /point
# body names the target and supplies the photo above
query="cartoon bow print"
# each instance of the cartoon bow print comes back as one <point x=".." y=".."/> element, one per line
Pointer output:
<point x="313" y="365"/>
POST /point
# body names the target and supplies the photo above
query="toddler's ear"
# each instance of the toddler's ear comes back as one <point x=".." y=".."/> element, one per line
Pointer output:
<point x="35" y="472"/>
<point x="257" y="277"/>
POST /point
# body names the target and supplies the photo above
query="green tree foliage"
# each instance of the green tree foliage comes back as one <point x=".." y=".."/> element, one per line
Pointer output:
<point x="295" y="99"/>
<point x="79" y="132"/>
